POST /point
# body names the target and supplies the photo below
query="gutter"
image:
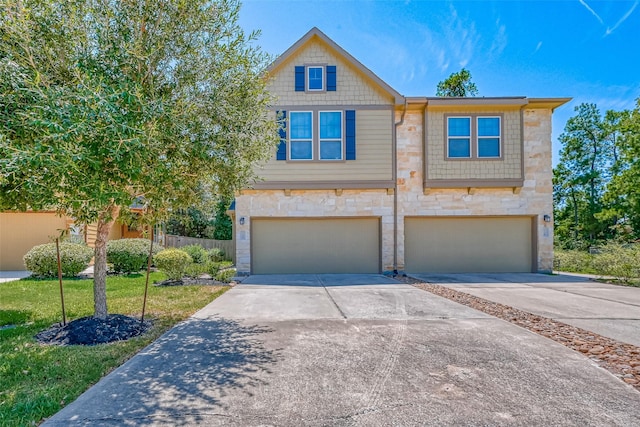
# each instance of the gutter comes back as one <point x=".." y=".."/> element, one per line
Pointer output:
<point x="395" y="189"/>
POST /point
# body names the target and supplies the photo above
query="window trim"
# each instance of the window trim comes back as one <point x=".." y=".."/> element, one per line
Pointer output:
<point x="290" y="140"/>
<point x="323" y="68"/>
<point x="341" y="139"/>
<point x="470" y="137"/>
<point x="474" y="136"/>
<point x="315" y="135"/>
<point x="499" y="137"/>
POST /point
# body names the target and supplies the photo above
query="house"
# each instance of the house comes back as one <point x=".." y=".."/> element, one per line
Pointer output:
<point x="20" y="231"/>
<point x="366" y="180"/>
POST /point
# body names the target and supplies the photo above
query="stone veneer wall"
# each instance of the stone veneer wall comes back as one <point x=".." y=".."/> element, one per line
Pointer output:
<point x="535" y="198"/>
<point x="312" y="203"/>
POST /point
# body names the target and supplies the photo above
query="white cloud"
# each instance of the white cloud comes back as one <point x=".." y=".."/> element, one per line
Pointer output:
<point x="621" y="20"/>
<point x="593" y="12"/>
<point x="538" y="46"/>
<point x="499" y="40"/>
<point x="610" y="30"/>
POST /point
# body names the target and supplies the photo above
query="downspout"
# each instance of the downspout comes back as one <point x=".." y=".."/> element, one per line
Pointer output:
<point x="395" y="189"/>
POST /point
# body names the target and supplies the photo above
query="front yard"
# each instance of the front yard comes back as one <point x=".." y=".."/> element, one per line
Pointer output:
<point x="37" y="380"/>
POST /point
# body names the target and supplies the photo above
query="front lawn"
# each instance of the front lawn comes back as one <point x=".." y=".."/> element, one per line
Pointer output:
<point x="37" y="380"/>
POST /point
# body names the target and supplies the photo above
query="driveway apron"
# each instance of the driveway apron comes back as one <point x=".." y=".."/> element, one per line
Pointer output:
<point x="351" y="350"/>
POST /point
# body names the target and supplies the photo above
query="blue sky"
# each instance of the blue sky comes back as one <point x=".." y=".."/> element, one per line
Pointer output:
<point x="585" y="49"/>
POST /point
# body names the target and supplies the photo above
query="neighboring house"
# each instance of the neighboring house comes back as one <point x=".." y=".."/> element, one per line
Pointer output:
<point x="20" y="231"/>
<point x="366" y="180"/>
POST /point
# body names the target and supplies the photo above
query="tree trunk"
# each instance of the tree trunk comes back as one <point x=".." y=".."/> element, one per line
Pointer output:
<point x="105" y="221"/>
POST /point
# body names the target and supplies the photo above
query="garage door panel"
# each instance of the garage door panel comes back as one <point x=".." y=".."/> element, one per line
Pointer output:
<point x="292" y="245"/>
<point x="468" y="245"/>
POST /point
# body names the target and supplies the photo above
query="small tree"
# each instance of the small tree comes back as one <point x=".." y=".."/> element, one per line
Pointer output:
<point x="224" y="226"/>
<point x="457" y="84"/>
<point x="103" y="103"/>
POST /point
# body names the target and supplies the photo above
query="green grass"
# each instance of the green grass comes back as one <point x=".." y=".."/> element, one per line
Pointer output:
<point x="37" y="380"/>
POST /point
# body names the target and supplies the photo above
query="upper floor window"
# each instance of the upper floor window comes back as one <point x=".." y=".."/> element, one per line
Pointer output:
<point x="308" y="143"/>
<point x="459" y="137"/>
<point x="330" y="135"/>
<point x="488" y="136"/>
<point x="315" y="78"/>
<point x="301" y="135"/>
<point x="473" y="137"/>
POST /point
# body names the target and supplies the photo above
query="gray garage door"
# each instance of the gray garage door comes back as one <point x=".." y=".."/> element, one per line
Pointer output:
<point x="315" y="245"/>
<point x="468" y="245"/>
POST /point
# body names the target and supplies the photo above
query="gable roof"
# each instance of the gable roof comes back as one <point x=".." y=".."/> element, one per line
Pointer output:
<point x="316" y="34"/>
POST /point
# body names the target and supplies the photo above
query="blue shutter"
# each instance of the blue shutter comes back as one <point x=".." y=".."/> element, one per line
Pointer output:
<point x="282" y="148"/>
<point x="331" y="78"/>
<point x="350" y="119"/>
<point x="300" y="79"/>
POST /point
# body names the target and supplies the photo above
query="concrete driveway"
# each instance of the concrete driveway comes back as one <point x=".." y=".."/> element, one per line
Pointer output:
<point x="609" y="310"/>
<point x="351" y="350"/>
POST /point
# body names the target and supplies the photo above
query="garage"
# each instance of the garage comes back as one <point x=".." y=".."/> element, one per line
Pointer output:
<point x="469" y="244"/>
<point x="315" y="245"/>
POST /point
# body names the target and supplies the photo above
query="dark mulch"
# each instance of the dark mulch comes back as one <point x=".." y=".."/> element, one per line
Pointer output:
<point x="91" y="331"/>
<point x="186" y="281"/>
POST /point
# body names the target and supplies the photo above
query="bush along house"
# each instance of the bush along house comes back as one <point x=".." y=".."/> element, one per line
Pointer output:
<point x="366" y="180"/>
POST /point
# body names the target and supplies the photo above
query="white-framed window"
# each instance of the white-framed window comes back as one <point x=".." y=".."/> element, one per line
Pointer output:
<point x="301" y="135"/>
<point x="315" y="78"/>
<point x="459" y="137"/>
<point x="474" y="137"/>
<point x="331" y="141"/>
<point x="488" y="137"/>
<point x="316" y="135"/>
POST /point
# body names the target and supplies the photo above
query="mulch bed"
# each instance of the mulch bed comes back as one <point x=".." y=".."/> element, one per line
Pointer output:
<point x="205" y="281"/>
<point x="91" y="331"/>
<point x="619" y="358"/>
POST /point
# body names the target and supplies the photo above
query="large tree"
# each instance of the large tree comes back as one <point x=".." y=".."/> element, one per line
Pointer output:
<point x="457" y="84"/>
<point x="623" y="191"/>
<point x="104" y="102"/>
<point x="586" y="160"/>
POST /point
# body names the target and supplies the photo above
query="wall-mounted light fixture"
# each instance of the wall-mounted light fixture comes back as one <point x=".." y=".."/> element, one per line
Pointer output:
<point x="546" y="218"/>
<point x="241" y="220"/>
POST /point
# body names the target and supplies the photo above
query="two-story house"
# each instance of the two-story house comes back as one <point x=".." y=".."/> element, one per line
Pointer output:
<point x="366" y="180"/>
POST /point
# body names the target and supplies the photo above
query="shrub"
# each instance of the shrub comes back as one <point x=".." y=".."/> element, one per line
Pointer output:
<point x="212" y="268"/>
<point x="225" y="276"/>
<point x="195" y="270"/>
<point x="129" y="255"/>
<point x="197" y="253"/>
<point x="618" y="261"/>
<point x="216" y="255"/>
<point x="173" y="263"/>
<point x="43" y="261"/>
<point x="573" y="261"/>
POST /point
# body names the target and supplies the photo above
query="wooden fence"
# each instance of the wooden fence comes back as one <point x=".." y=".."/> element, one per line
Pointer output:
<point x="228" y="246"/>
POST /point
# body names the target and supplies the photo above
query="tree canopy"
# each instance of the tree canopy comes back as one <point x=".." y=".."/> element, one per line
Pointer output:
<point x="596" y="181"/>
<point x="457" y="84"/>
<point x="103" y="103"/>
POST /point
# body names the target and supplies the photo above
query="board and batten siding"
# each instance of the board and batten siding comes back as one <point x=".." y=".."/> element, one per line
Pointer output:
<point x="374" y="156"/>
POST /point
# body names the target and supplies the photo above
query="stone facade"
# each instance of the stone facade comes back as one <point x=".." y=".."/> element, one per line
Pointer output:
<point x="534" y="199"/>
